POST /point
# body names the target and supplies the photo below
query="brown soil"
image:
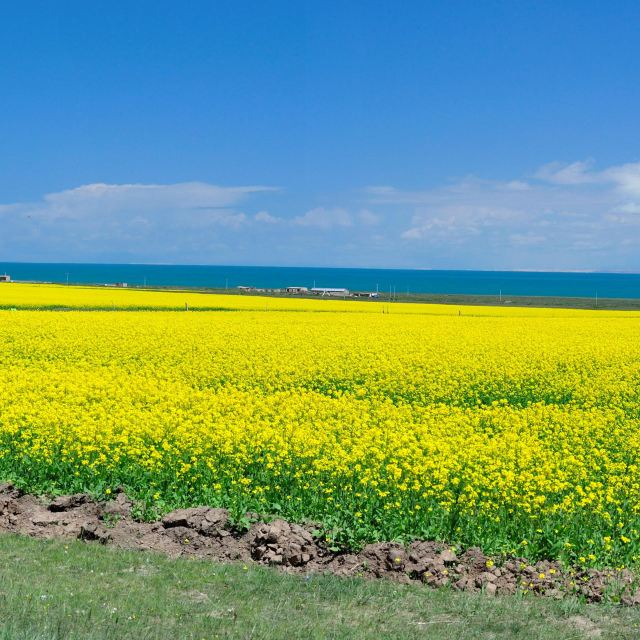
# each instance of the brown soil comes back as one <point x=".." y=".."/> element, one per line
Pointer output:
<point x="204" y="532"/>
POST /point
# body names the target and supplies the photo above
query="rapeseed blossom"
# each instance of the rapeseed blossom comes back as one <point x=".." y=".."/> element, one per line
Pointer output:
<point x="514" y="429"/>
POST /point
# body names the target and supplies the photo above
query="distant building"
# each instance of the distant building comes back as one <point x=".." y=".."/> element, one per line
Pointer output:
<point x="365" y="294"/>
<point x="122" y="285"/>
<point x="5" y="278"/>
<point x="330" y="291"/>
<point x="297" y="290"/>
<point x="243" y="288"/>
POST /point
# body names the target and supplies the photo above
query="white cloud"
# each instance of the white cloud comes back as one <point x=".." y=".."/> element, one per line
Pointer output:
<point x="517" y="185"/>
<point x="112" y="199"/>
<point x="209" y="218"/>
<point x="460" y="220"/>
<point x="629" y="207"/>
<point x="568" y="174"/>
<point x="568" y="216"/>
<point x="368" y="218"/>
<point x="322" y="218"/>
<point x="527" y="239"/>
<point x="130" y="220"/>
<point x="563" y="216"/>
<point x="390" y="195"/>
<point x="626" y="177"/>
<point x="266" y="217"/>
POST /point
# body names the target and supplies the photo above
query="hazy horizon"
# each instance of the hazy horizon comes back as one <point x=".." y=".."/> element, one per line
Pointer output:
<point x="311" y="266"/>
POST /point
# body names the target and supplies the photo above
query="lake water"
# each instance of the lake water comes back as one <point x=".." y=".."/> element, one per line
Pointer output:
<point x="511" y="283"/>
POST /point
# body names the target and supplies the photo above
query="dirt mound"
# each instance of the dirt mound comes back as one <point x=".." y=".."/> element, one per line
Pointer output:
<point x="208" y="533"/>
<point x="282" y="543"/>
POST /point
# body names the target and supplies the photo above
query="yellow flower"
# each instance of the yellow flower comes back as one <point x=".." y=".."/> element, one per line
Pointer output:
<point x="325" y="410"/>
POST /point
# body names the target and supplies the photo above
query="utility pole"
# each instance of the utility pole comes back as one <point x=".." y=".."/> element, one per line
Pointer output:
<point x="67" y="274"/>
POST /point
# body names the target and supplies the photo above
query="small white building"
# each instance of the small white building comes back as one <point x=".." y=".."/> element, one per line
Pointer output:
<point x="330" y="291"/>
<point x="5" y="278"/>
<point x="297" y="290"/>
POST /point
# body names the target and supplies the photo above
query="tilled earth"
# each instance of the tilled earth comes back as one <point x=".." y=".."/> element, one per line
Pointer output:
<point x="205" y="532"/>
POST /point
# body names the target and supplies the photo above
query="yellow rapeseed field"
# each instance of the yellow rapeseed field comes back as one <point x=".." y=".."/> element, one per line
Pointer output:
<point x="61" y="297"/>
<point x="514" y="429"/>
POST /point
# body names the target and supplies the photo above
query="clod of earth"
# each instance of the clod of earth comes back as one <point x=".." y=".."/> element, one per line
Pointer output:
<point x="205" y="532"/>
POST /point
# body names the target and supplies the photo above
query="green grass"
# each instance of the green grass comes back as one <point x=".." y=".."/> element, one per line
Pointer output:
<point x="72" y="590"/>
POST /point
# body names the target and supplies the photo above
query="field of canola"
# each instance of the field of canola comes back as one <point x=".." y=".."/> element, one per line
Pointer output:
<point x="516" y="430"/>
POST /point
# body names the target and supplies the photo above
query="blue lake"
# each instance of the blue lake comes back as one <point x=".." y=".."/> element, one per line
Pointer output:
<point x="510" y="283"/>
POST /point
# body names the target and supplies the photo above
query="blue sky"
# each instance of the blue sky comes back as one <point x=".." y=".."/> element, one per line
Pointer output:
<point x="493" y="135"/>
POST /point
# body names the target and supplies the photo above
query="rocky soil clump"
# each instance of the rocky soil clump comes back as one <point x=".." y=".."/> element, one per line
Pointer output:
<point x="205" y="532"/>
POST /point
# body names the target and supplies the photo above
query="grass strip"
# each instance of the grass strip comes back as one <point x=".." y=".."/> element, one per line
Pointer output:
<point x="54" y="590"/>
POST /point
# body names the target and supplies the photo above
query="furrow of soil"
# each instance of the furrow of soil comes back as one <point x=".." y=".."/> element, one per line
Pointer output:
<point x="205" y="532"/>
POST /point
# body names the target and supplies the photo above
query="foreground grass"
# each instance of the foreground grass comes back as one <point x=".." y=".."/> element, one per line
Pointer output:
<point x="72" y="590"/>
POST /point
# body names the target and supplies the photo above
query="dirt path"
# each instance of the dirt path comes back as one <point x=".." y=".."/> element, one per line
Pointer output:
<point x="204" y="532"/>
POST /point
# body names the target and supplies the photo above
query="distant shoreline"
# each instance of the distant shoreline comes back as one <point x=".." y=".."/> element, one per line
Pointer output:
<point x="555" y="302"/>
<point x="615" y="272"/>
<point x="539" y="288"/>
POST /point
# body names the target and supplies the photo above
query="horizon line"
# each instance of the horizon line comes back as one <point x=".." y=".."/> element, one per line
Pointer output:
<point x="265" y="266"/>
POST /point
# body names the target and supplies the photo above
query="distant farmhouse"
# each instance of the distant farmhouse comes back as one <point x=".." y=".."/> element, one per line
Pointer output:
<point x="330" y="291"/>
<point x="5" y="278"/>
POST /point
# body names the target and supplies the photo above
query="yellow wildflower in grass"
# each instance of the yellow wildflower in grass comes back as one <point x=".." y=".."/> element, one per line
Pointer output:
<point x="505" y="428"/>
